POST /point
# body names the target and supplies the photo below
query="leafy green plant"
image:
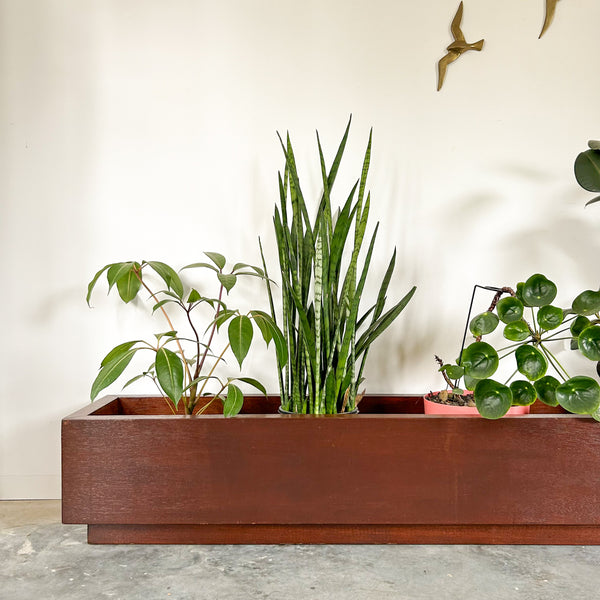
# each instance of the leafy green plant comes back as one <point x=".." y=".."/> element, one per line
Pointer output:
<point x="587" y="169"/>
<point x="531" y="325"/>
<point x="327" y="336"/>
<point x="184" y="367"/>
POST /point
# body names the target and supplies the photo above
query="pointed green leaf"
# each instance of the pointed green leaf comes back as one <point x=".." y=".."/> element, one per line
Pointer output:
<point x="129" y="285"/>
<point x="168" y="275"/>
<point x="162" y="303"/>
<point x="117" y="271"/>
<point x="169" y="372"/>
<point x="240" y="334"/>
<point x="234" y="401"/>
<point x="194" y="296"/>
<point x="217" y="258"/>
<point x="117" y="351"/>
<point x="111" y="371"/>
<point x="93" y="282"/>
<point x="254" y="383"/>
<point x="228" y="281"/>
<point x="201" y="265"/>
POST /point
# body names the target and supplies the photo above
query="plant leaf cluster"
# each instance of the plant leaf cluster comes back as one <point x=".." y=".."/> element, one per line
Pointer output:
<point x="326" y="333"/>
<point x="587" y="169"/>
<point x="531" y="324"/>
<point x="185" y="367"/>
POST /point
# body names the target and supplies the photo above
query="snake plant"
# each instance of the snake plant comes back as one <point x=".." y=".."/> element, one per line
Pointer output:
<point x="323" y="276"/>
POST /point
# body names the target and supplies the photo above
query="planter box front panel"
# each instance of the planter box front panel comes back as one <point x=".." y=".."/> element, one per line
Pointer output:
<point x="366" y="469"/>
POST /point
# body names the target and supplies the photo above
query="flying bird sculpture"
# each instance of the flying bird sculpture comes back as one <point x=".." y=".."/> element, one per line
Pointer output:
<point x="457" y="47"/>
<point x="550" y="10"/>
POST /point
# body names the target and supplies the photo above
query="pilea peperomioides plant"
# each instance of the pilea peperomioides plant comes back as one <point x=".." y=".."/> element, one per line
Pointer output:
<point x="185" y="367"/>
<point x="531" y="326"/>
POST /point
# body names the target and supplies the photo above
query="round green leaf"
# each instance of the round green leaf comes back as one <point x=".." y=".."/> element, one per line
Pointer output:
<point x="517" y="331"/>
<point x="519" y="293"/>
<point x="550" y="317"/>
<point x="589" y="342"/>
<point x="483" y="324"/>
<point x="492" y="399"/>
<point x="454" y="371"/>
<point x="546" y="389"/>
<point x="587" y="303"/>
<point x="509" y="309"/>
<point x="587" y="170"/>
<point x="580" y="395"/>
<point x="531" y="362"/>
<point x="579" y="324"/>
<point x="480" y="360"/>
<point x="523" y="393"/>
<point x="471" y="382"/>
<point x="538" y="290"/>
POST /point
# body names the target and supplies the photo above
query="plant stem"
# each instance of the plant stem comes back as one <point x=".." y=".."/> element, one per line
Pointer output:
<point x="555" y="363"/>
<point x="213" y="369"/>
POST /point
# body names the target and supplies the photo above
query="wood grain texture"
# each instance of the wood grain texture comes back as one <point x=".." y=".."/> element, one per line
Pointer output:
<point x="343" y="534"/>
<point x="390" y="474"/>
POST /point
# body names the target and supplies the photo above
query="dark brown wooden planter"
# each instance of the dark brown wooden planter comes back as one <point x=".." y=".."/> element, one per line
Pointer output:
<point x="386" y="475"/>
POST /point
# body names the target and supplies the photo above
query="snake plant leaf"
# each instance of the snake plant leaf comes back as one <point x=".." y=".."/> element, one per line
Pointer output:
<point x="523" y="393"/>
<point x="587" y="170"/>
<point x="531" y="362"/>
<point x="480" y="360"/>
<point x="169" y="372"/>
<point x="550" y="317"/>
<point x="168" y="275"/>
<point x="234" y="401"/>
<point x="111" y="371"/>
<point x="587" y="303"/>
<point x="589" y="342"/>
<point x="217" y="258"/>
<point x="493" y="400"/>
<point x="228" y="280"/>
<point x="240" y="334"/>
<point x="546" y="389"/>
<point x="509" y="309"/>
<point x="517" y="331"/>
<point x="579" y="395"/>
<point x="579" y="324"/>
<point x="538" y="290"/>
<point x="483" y="324"/>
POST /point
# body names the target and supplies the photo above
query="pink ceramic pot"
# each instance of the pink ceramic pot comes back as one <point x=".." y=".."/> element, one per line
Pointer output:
<point x="435" y="408"/>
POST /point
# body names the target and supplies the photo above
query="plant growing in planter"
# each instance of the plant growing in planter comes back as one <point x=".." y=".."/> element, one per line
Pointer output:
<point x="531" y="326"/>
<point x="587" y="169"/>
<point x="184" y="367"/>
<point x="327" y="335"/>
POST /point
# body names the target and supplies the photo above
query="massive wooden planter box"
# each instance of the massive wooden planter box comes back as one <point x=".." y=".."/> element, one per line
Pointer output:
<point x="387" y="475"/>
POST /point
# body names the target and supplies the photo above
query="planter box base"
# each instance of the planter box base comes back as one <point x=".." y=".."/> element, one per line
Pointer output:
<point x="343" y="534"/>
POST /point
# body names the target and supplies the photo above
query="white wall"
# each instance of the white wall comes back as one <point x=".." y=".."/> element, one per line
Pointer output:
<point x="140" y="130"/>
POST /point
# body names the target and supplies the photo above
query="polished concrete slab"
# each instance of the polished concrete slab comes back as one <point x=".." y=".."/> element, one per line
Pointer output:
<point x="41" y="558"/>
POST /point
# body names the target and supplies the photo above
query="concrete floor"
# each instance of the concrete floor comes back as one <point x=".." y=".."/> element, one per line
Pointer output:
<point x="40" y="558"/>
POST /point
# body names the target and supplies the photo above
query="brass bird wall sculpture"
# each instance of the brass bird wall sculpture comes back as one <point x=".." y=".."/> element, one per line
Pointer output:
<point x="457" y="47"/>
<point x="550" y="9"/>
